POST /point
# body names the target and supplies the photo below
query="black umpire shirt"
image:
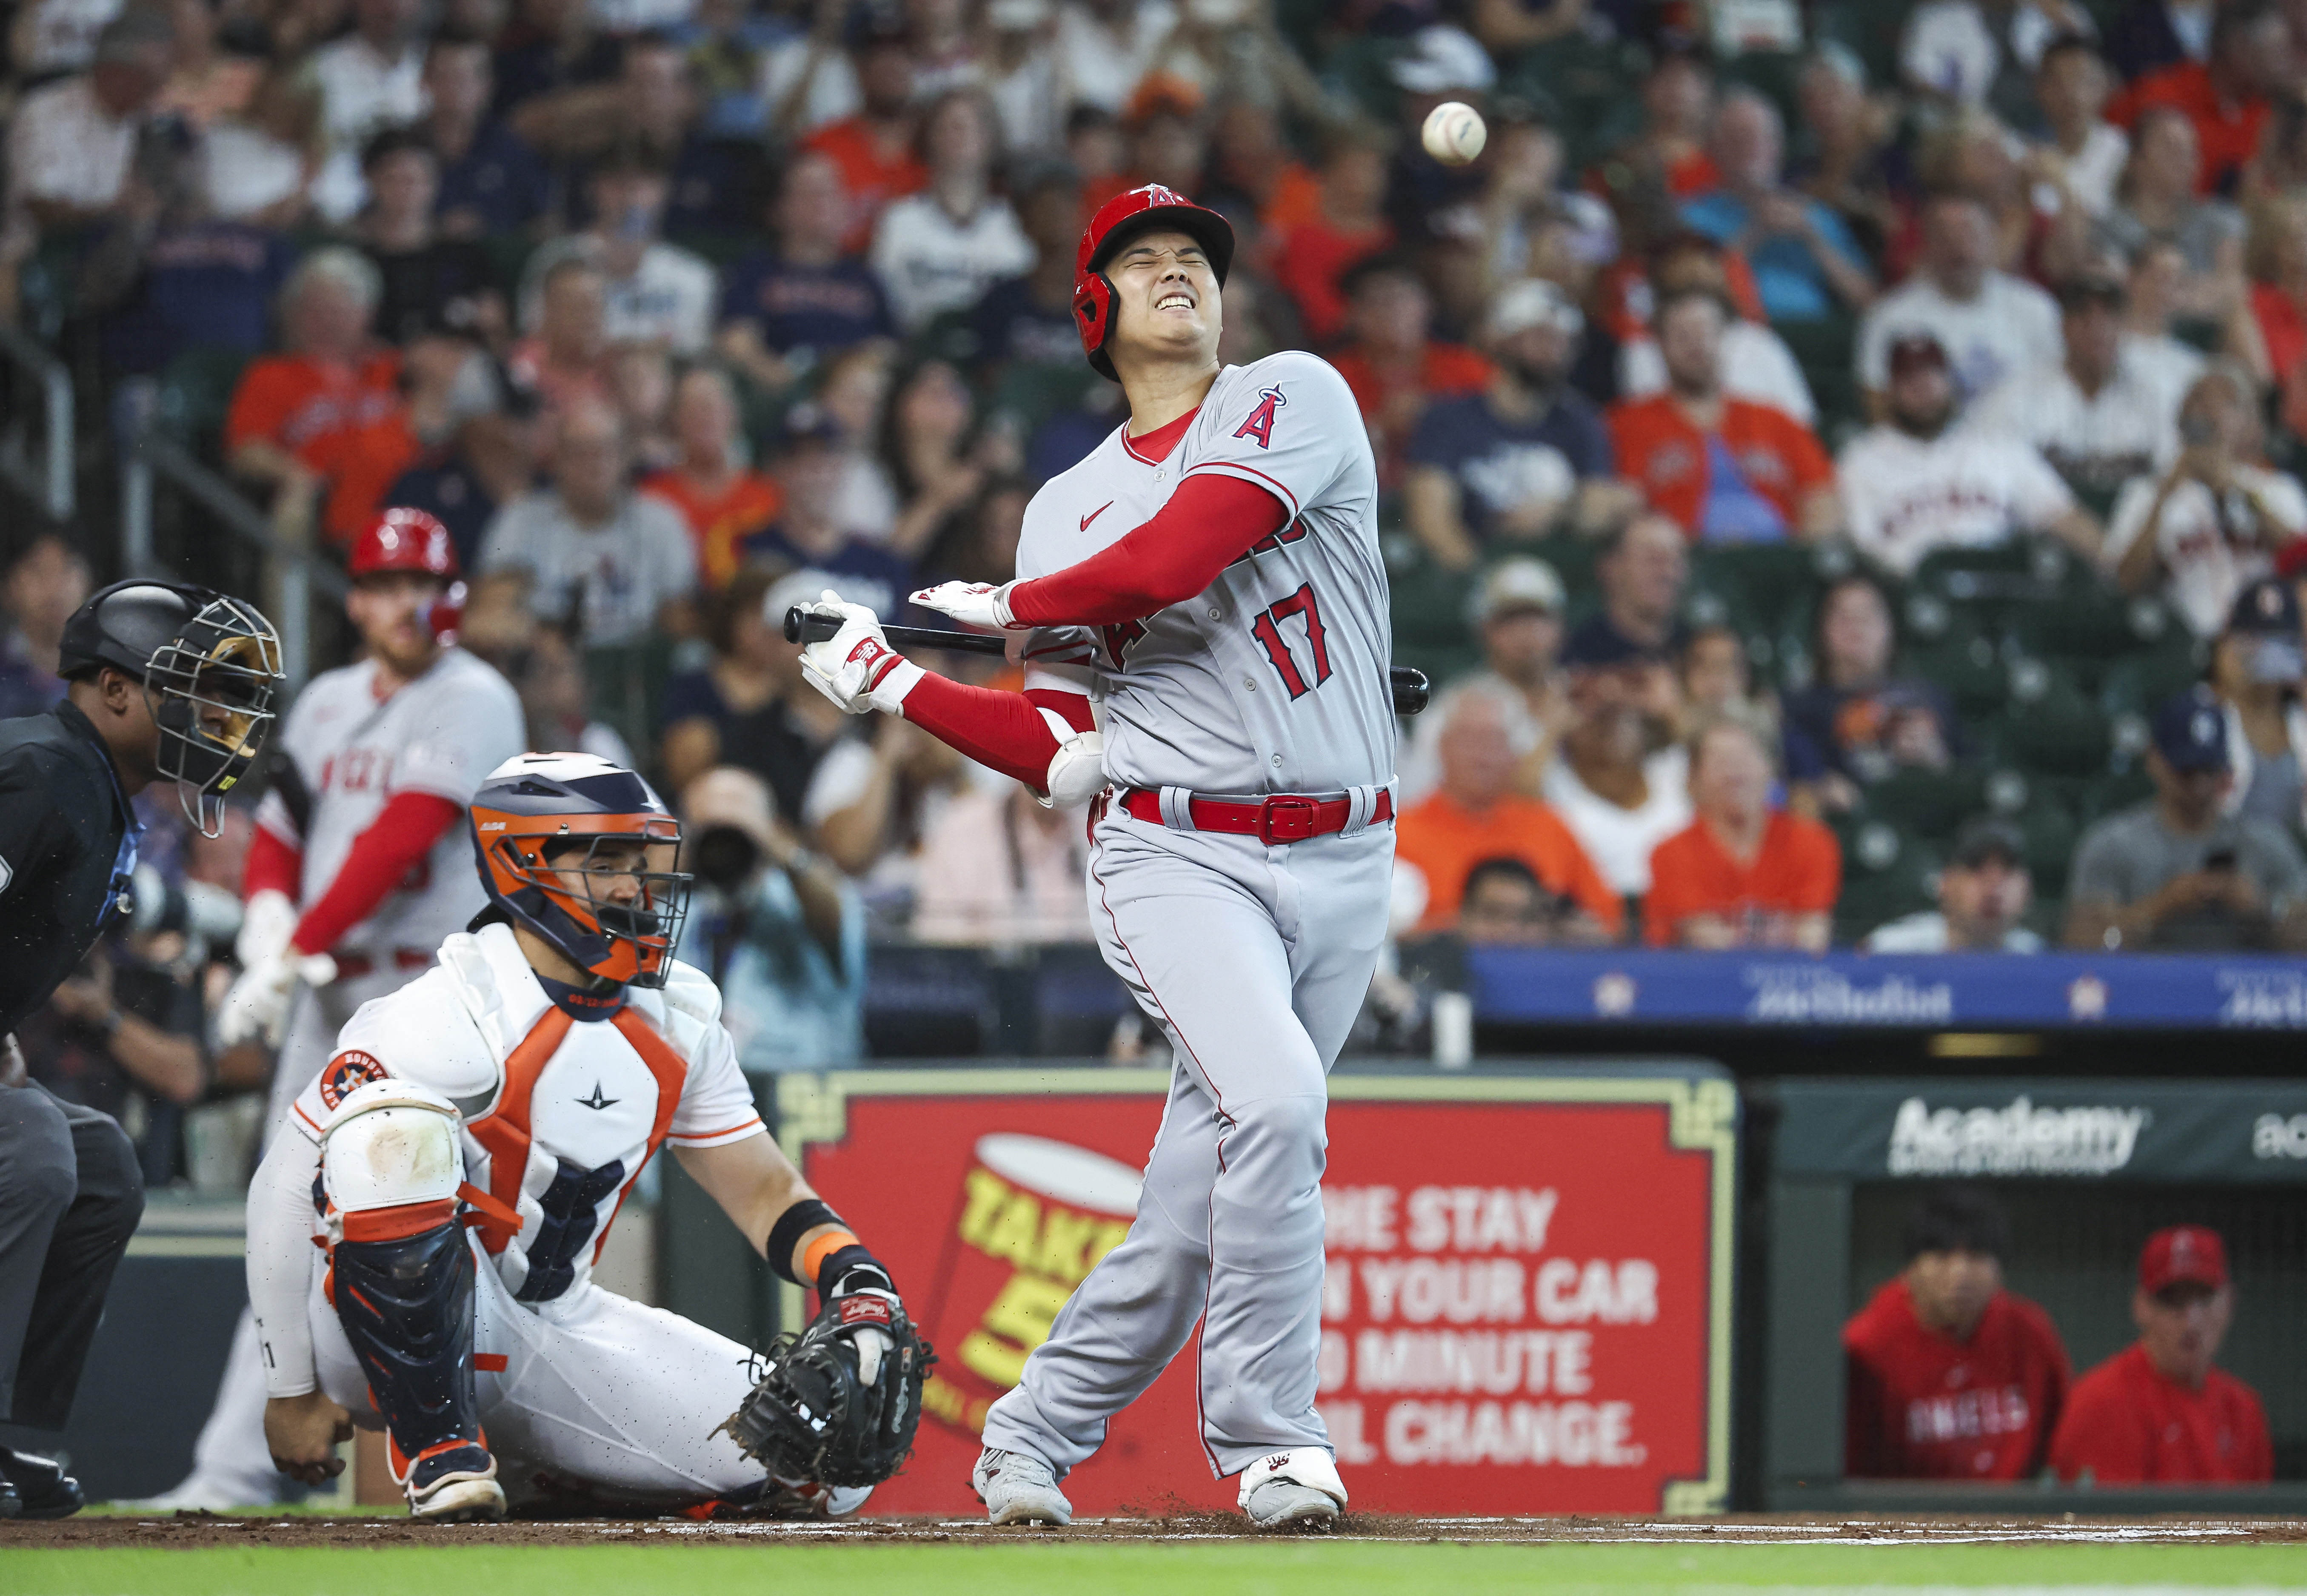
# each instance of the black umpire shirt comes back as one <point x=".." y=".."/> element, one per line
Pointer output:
<point x="64" y="821"/>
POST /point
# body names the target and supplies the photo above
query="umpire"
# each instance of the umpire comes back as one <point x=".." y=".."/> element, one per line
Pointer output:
<point x="166" y="683"/>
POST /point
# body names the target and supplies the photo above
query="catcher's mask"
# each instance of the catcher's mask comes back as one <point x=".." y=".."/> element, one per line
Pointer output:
<point x="581" y="852"/>
<point x="210" y="668"/>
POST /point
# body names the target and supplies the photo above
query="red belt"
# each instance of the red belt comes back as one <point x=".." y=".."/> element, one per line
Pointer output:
<point x="351" y="967"/>
<point x="1285" y="817"/>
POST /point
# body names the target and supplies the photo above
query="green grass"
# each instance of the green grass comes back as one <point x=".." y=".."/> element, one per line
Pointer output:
<point x="1137" y="1569"/>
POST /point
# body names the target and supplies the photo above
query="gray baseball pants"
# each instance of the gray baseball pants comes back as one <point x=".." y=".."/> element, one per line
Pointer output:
<point x="1254" y="960"/>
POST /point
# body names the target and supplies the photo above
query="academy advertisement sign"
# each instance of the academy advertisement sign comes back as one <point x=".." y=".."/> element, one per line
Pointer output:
<point x="1502" y="1330"/>
<point x="2212" y="1132"/>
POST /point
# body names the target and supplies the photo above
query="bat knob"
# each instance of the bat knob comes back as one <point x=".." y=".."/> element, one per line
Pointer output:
<point x="794" y="619"/>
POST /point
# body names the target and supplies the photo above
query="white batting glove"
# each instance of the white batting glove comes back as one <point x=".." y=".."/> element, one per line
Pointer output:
<point x="974" y="604"/>
<point x="256" y="1008"/>
<point x="855" y="667"/>
<point x="267" y="921"/>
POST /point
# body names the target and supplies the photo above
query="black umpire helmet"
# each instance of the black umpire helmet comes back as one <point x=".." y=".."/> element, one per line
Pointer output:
<point x="210" y="668"/>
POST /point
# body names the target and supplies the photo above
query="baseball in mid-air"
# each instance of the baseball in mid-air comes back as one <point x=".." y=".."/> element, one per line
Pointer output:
<point x="1455" y="132"/>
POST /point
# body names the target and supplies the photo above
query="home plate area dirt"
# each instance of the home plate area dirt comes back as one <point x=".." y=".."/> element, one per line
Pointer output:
<point x="192" y="1529"/>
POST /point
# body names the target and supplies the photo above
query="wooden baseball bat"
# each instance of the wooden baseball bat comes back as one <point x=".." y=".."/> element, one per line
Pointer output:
<point x="1412" y="691"/>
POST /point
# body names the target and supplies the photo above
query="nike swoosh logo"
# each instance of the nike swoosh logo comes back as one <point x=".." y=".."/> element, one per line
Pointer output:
<point x="1094" y="513"/>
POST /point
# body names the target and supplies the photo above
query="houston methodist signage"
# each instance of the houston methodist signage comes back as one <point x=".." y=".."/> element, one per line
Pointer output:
<point x="1526" y="1306"/>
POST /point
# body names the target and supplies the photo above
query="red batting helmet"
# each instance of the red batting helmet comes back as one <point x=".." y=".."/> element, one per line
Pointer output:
<point x="1117" y="221"/>
<point x="406" y="540"/>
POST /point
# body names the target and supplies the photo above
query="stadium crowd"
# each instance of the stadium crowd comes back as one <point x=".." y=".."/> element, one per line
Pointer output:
<point x="1837" y="456"/>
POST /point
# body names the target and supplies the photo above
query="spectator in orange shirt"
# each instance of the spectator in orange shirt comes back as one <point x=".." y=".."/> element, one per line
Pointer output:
<point x="722" y="501"/>
<point x="1394" y="365"/>
<point x="1743" y="874"/>
<point x="1727" y="469"/>
<point x="2225" y="95"/>
<point x="2158" y="1412"/>
<point x="1311" y="260"/>
<point x="1476" y="815"/>
<point x="875" y="149"/>
<point x="316" y="420"/>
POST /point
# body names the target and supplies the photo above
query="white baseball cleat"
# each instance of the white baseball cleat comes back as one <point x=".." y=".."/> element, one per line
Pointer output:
<point x="1298" y="1489"/>
<point x="1018" y="1487"/>
<point x="454" y="1484"/>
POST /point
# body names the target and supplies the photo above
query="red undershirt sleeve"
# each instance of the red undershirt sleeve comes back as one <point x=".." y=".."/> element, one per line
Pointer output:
<point x="273" y="865"/>
<point x="1210" y="522"/>
<point x="1002" y="731"/>
<point x="380" y="860"/>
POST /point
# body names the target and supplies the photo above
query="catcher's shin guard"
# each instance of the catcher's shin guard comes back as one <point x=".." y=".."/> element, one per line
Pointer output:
<point x="407" y="1307"/>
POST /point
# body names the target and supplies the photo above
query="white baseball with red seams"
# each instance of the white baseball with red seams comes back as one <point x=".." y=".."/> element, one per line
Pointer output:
<point x="1253" y="956"/>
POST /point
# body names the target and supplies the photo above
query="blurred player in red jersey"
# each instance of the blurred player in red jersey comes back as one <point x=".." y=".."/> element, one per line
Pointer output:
<point x="2158" y="1411"/>
<point x="1951" y="1375"/>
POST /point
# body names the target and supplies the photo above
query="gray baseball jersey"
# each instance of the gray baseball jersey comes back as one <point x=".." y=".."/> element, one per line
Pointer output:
<point x="1273" y="679"/>
<point x="1253" y="957"/>
<point x="441" y="733"/>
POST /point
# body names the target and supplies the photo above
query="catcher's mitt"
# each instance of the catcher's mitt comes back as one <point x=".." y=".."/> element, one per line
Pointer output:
<point x="813" y="1415"/>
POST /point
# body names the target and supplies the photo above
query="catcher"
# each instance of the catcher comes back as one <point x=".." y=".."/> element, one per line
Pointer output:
<point x="420" y="1252"/>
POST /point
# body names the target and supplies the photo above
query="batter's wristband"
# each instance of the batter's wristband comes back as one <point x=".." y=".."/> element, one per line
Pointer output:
<point x="785" y="1234"/>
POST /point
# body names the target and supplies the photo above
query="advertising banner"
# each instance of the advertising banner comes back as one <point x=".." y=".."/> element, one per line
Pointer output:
<point x="1882" y="991"/>
<point x="1526" y="1308"/>
<point x="2245" y="1132"/>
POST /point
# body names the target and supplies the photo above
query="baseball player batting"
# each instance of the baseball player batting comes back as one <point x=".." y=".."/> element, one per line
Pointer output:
<point x="1204" y="617"/>
<point x="359" y="868"/>
<point x="461" y="1158"/>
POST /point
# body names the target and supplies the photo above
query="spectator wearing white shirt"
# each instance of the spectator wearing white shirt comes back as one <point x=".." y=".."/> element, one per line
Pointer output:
<point x="2101" y="418"/>
<point x="1958" y="50"/>
<point x="1989" y="323"/>
<point x="2083" y="150"/>
<point x="71" y="143"/>
<point x="1756" y="363"/>
<point x="2256" y="671"/>
<point x="370" y="79"/>
<point x="588" y="552"/>
<point x="656" y="293"/>
<point x="49" y="37"/>
<point x="1916" y="482"/>
<point x="2217" y="519"/>
<point x="1983" y="895"/>
<point x="940" y="250"/>
<point x="1105" y="47"/>
<point x="1620" y="782"/>
<point x="2150" y="304"/>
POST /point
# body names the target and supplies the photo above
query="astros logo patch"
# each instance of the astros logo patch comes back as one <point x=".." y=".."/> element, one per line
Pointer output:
<point x="347" y="1073"/>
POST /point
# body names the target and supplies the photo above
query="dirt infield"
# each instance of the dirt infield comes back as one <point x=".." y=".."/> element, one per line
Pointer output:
<point x="195" y="1530"/>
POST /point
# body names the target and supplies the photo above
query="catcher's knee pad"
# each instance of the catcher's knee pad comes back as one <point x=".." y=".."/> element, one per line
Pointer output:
<point x="390" y="1161"/>
<point x="401" y="1274"/>
<point x="406" y="1304"/>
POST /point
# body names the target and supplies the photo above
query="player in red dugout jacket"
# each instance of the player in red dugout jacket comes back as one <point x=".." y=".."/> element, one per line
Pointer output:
<point x="1951" y="1375"/>
<point x="2156" y="1411"/>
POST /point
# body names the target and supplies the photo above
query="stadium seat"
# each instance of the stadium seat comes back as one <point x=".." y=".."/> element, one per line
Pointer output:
<point x="1926" y="803"/>
<point x="1965" y="662"/>
<point x="2051" y="727"/>
<point x="2141" y="681"/>
<point x="1886" y="872"/>
<point x="195" y="394"/>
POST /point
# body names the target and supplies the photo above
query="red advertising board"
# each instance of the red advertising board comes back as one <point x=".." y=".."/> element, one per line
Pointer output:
<point x="1526" y="1308"/>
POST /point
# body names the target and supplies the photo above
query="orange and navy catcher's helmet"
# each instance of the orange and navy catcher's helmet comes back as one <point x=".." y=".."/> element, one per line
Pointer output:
<point x="541" y="818"/>
<point x="1117" y="221"/>
<point x="409" y="539"/>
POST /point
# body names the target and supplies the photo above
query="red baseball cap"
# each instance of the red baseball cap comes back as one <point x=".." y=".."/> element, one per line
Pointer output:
<point x="2183" y="1254"/>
